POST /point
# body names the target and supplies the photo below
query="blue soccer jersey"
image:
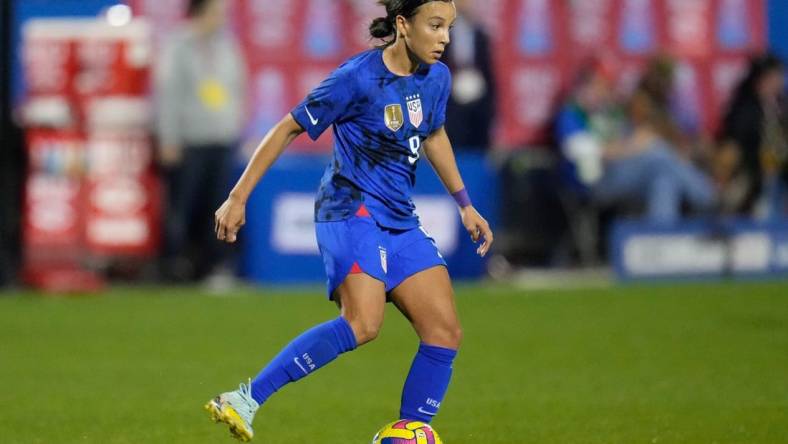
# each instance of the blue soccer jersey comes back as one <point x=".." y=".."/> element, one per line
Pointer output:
<point x="380" y="121"/>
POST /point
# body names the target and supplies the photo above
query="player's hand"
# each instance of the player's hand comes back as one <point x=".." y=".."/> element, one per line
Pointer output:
<point x="229" y="218"/>
<point x="478" y="228"/>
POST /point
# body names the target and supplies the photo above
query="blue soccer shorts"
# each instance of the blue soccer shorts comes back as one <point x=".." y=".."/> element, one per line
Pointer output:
<point x="360" y="245"/>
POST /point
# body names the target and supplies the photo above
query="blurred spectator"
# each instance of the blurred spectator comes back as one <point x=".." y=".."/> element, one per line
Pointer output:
<point x="471" y="108"/>
<point x="754" y="150"/>
<point x="657" y="108"/>
<point x="201" y="89"/>
<point x="590" y="123"/>
<point x="657" y="135"/>
<point x="650" y="107"/>
<point x="625" y="158"/>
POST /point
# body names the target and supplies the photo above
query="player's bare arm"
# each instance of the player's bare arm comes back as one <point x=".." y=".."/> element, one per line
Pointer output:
<point x="438" y="150"/>
<point x="231" y="216"/>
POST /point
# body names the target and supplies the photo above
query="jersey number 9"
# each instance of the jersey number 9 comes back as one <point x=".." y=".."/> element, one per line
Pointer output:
<point x="415" y="144"/>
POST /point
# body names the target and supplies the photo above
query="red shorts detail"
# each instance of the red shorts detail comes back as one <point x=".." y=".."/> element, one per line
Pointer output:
<point x="355" y="269"/>
<point x="362" y="211"/>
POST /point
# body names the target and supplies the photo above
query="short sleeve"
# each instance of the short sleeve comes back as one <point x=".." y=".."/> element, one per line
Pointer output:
<point x="328" y="103"/>
<point x="443" y="98"/>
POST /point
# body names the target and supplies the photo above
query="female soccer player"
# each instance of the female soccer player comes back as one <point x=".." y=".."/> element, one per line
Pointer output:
<point x="385" y="106"/>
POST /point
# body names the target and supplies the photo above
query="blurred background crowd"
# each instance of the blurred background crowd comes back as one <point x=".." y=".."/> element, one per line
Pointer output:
<point x="125" y="122"/>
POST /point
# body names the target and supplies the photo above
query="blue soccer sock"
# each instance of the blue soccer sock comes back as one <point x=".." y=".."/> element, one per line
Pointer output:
<point x="427" y="382"/>
<point x="305" y="354"/>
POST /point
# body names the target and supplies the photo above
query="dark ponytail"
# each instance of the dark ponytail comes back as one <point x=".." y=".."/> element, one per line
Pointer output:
<point x="381" y="28"/>
<point x="385" y="27"/>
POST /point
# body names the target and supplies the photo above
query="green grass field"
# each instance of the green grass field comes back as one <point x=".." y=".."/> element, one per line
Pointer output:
<point x="694" y="363"/>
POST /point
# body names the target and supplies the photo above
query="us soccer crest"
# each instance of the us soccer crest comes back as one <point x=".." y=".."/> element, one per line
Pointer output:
<point x="414" y="110"/>
<point x="393" y="117"/>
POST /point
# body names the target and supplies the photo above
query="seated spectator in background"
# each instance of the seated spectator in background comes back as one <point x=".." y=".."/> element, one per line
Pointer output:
<point x="754" y="142"/>
<point x="651" y="106"/>
<point x="200" y="93"/>
<point x="471" y="107"/>
<point x="656" y="134"/>
<point x="620" y="155"/>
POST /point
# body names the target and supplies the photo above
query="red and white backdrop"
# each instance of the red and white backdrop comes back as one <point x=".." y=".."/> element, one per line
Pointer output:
<point x="292" y="44"/>
<point x="91" y="189"/>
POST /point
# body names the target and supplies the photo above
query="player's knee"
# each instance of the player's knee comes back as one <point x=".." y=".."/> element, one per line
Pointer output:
<point x="365" y="330"/>
<point x="455" y="337"/>
<point x="449" y="336"/>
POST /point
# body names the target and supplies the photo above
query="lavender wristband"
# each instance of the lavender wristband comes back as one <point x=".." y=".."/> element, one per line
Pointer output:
<point x="462" y="198"/>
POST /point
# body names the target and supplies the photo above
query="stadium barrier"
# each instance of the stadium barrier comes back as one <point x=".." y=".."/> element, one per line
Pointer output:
<point x="700" y="249"/>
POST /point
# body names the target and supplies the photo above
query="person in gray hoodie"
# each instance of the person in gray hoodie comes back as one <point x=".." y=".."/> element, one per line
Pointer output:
<point x="200" y="90"/>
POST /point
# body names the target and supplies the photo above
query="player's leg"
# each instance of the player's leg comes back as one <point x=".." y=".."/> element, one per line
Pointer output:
<point x="350" y="250"/>
<point x="362" y="300"/>
<point x="355" y="281"/>
<point x="420" y="287"/>
<point x="427" y="300"/>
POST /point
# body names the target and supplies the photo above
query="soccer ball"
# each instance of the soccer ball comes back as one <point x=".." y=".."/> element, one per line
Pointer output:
<point x="406" y="431"/>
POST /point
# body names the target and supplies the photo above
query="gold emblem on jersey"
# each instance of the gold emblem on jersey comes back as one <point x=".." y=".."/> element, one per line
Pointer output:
<point x="393" y="117"/>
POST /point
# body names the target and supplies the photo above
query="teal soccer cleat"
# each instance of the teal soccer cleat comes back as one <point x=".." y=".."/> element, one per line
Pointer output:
<point x="236" y="409"/>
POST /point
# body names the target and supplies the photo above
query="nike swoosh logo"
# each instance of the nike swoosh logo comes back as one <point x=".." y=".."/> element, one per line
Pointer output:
<point x="311" y="119"/>
<point x="421" y="410"/>
<point x="300" y="366"/>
